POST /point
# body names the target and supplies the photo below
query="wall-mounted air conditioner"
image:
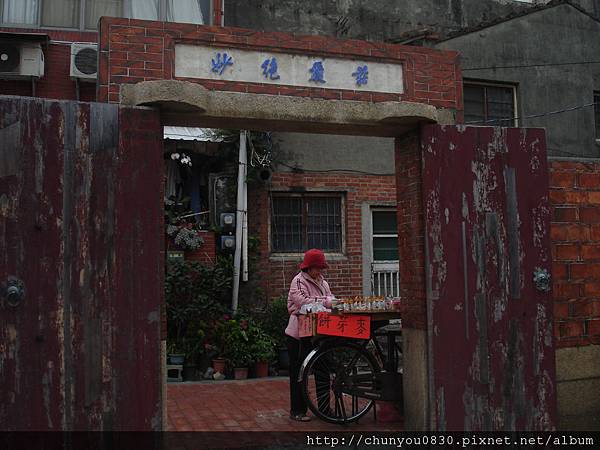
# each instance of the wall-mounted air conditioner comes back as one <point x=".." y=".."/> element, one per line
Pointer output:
<point x="21" y="60"/>
<point x="84" y="61"/>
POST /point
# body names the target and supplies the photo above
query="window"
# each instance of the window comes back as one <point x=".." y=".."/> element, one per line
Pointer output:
<point x="61" y="14"/>
<point x="385" y="235"/>
<point x="489" y="104"/>
<point x="385" y="267"/>
<point x="597" y="113"/>
<point x="303" y="221"/>
<point x="84" y="14"/>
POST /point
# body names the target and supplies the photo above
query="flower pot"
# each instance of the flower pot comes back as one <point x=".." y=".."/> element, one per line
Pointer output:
<point x="219" y="365"/>
<point x="240" y="373"/>
<point x="261" y="369"/>
<point x="175" y="358"/>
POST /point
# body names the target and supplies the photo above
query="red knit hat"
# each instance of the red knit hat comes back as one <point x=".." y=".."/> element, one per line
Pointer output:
<point x="314" y="258"/>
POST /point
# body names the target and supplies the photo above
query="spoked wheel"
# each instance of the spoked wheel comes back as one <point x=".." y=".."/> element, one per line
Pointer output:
<point x="340" y="382"/>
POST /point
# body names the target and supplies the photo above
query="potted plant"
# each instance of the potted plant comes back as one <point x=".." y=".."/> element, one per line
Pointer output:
<point x="181" y="226"/>
<point x="274" y="322"/>
<point x="194" y="305"/>
<point x="237" y="347"/>
<point x="218" y="343"/>
<point x="175" y="352"/>
<point x="262" y="350"/>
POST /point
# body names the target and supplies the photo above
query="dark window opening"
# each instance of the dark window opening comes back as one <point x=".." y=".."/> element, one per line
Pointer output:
<point x="385" y="235"/>
<point x="489" y="105"/>
<point x="301" y="222"/>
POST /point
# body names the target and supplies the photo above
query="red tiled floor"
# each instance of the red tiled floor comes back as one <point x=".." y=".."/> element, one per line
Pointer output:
<point x="246" y="405"/>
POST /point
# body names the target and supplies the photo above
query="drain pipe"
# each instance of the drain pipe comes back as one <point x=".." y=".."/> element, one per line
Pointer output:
<point x="245" y="228"/>
<point x="239" y="220"/>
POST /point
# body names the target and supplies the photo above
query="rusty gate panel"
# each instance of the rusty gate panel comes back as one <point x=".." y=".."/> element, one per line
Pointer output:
<point x="80" y="226"/>
<point x="490" y="329"/>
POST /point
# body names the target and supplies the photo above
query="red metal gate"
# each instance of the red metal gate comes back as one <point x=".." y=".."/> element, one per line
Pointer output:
<point x="490" y="324"/>
<point x="80" y="234"/>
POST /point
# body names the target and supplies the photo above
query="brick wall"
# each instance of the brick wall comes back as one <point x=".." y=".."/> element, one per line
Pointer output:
<point x="575" y="234"/>
<point x="206" y="254"/>
<point x="135" y="50"/>
<point x="56" y="82"/>
<point x="345" y="274"/>
<point x="411" y="230"/>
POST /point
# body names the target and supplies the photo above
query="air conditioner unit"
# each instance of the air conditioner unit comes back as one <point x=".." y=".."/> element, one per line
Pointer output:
<point x="21" y="60"/>
<point x="84" y="61"/>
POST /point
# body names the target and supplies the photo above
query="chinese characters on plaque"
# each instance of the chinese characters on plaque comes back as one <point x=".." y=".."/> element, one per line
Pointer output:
<point x="222" y="61"/>
<point x="270" y="69"/>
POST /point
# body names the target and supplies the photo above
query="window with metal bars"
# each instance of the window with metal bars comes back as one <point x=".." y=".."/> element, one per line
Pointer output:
<point x="303" y="221"/>
<point x="489" y="104"/>
<point x="597" y="113"/>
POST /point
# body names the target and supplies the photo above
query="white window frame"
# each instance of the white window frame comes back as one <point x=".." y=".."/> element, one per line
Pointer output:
<point x="387" y="267"/>
<point x="387" y="235"/>
<point x="515" y="120"/>
<point x="126" y="12"/>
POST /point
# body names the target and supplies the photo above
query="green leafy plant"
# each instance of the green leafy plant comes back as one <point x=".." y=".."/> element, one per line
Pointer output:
<point x="262" y="347"/>
<point x="274" y="320"/>
<point x="237" y="345"/>
<point x="196" y="297"/>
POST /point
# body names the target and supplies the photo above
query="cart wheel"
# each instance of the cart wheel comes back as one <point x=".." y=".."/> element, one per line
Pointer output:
<point x="338" y="382"/>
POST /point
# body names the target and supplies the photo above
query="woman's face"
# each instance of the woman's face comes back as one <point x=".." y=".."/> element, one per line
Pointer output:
<point x="315" y="272"/>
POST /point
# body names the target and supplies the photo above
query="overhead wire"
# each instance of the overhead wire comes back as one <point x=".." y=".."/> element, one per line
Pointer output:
<point x="302" y="170"/>
<point x="533" y="116"/>
<point x="524" y="66"/>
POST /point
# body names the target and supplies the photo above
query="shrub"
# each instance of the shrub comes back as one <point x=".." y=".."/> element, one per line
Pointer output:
<point x="196" y="296"/>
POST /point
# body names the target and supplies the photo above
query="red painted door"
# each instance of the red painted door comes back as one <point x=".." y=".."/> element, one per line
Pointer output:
<point x="488" y="259"/>
<point x="80" y="236"/>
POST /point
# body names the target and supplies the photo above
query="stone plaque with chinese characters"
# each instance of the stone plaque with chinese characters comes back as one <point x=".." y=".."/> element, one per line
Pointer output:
<point x="192" y="61"/>
<point x="351" y="326"/>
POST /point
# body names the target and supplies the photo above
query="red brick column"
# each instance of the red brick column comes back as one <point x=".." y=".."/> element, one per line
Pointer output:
<point x="411" y="231"/>
<point x="575" y="233"/>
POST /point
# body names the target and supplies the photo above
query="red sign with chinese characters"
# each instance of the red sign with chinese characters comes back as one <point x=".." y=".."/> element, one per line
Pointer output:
<point x="351" y="326"/>
<point x="306" y="325"/>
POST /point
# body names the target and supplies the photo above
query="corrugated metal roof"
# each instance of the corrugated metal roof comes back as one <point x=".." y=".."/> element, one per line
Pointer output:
<point x="190" y="134"/>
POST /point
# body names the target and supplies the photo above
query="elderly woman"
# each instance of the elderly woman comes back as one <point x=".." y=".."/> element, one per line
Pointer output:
<point x="307" y="287"/>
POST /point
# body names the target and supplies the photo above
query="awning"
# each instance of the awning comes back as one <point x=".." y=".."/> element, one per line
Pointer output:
<point x="191" y="134"/>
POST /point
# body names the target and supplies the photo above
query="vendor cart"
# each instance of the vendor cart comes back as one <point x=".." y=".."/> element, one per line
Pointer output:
<point x="357" y="360"/>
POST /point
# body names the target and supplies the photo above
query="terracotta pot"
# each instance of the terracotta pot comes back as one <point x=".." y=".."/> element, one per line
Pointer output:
<point x="261" y="369"/>
<point x="219" y="365"/>
<point x="240" y="373"/>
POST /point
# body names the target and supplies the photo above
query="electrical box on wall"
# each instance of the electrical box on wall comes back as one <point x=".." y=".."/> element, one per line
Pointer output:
<point x="228" y="221"/>
<point x="84" y="61"/>
<point x="228" y="244"/>
<point x="21" y="60"/>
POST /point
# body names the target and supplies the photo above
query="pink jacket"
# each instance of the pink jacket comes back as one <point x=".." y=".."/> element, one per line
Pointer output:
<point x="305" y="290"/>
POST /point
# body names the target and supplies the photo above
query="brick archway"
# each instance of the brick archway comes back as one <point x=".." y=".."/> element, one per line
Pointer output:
<point x="138" y="66"/>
